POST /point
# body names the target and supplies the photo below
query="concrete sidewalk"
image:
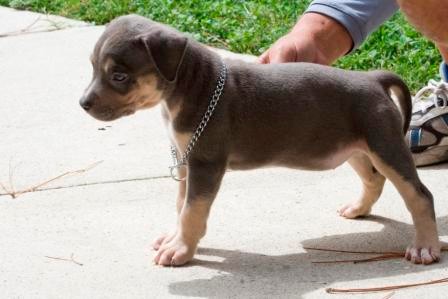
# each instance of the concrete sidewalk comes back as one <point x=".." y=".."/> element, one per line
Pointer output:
<point x="107" y="217"/>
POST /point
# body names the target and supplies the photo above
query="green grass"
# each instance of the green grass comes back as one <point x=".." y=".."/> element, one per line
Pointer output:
<point x="252" y="26"/>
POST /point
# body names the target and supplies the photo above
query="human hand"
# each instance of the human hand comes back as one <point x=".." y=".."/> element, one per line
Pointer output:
<point x="315" y="38"/>
<point x="290" y="48"/>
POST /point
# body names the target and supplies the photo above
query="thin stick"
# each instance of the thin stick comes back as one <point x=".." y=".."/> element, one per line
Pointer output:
<point x="34" y="188"/>
<point x="387" y="288"/>
<point x="15" y="194"/>
<point x="382" y="255"/>
<point x="349" y="251"/>
<point x="64" y="259"/>
<point x="366" y="260"/>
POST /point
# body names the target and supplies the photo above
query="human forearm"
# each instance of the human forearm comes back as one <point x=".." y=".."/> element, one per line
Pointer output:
<point x="331" y="38"/>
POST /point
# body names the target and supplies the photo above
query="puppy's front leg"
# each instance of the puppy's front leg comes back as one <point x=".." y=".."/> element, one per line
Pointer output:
<point x="165" y="238"/>
<point x="203" y="181"/>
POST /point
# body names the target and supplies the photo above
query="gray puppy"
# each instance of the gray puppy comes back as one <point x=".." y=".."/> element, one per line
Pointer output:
<point x="296" y="115"/>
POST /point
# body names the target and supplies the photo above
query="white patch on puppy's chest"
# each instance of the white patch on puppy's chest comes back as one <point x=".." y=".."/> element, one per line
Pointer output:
<point x="180" y="140"/>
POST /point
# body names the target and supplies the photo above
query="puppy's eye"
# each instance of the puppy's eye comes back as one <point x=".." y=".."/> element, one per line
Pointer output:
<point x="119" y="77"/>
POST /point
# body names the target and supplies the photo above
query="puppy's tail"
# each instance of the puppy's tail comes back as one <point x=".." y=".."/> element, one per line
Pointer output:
<point x="398" y="92"/>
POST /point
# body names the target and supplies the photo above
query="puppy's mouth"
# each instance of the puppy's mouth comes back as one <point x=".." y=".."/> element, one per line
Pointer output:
<point x="109" y="114"/>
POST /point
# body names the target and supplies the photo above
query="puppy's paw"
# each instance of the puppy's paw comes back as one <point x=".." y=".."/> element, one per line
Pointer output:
<point x="426" y="255"/>
<point x="354" y="210"/>
<point x="165" y="238"/>
<point x="176" y="252"/>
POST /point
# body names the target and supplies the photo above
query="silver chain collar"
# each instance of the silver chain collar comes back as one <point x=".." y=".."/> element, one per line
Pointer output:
<point x="204" y="121"/>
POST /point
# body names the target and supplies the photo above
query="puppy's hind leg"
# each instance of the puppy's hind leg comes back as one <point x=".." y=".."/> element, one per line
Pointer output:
<point x="373" y="183"/>
<point x="397" y="165"/>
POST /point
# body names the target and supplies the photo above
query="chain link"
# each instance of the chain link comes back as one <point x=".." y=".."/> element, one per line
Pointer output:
<point x="204" y="121"/>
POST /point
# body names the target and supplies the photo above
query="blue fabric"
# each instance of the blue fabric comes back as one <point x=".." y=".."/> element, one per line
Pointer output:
<point x="359" y="17"/>
<point x="415" y="136"/>
<point x="445" y="118"/>
<point x="444" y="71"/>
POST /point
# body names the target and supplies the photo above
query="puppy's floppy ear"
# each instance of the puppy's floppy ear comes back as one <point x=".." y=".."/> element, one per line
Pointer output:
<point x="166" y="48"/>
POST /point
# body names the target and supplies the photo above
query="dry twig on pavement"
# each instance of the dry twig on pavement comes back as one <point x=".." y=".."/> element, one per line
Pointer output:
<point x="379" y="256"/>
<point x="15" y="194"/>
<point x="386" y="288"/>
<point x="386" y="255"/>
<point x="71" y="259"/>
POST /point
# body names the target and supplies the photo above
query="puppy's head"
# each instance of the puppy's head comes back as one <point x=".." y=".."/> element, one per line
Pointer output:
<point x="135" y="61"/>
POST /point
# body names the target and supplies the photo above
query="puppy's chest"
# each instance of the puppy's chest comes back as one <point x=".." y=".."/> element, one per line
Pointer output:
<point x="178" y="139"/>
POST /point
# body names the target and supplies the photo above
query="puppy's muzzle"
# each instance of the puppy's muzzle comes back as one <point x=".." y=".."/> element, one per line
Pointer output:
<point x="87" y="101"/>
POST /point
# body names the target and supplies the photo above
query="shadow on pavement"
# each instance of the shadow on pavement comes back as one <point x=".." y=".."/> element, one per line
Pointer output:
<point x="440" y="166"/>
<point x="252" y="275"/>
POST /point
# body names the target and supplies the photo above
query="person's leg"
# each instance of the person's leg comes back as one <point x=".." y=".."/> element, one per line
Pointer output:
<point x="429" y="17"/>
<point x="428" y="133"/>
<point x="444" y="65"/>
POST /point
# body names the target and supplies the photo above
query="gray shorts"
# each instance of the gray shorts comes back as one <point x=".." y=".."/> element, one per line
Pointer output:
<point x="359" y="17"/>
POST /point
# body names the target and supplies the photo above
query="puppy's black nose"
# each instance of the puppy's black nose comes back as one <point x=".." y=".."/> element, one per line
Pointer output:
<point x="87" y="102"/>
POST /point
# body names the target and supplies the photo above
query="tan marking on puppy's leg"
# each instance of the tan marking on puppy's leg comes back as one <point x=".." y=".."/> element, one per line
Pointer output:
<point x="180" y="141"/>
<point x="203" y="181"/>
<point x="165" y="238"/>
<point x="192" y="227"/>
<point x="373" y="183"/>
<point x="426" y="246"/>
<point x="193" y="219"/>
